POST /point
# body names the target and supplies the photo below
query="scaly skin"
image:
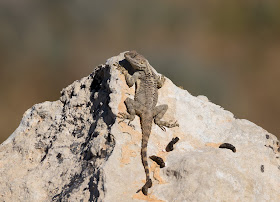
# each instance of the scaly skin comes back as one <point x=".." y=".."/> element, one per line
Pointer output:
<point x="144" y="104"/>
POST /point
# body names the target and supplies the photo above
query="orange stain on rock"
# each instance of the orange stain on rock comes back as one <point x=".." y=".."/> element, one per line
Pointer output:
<point x="149" y="197"/>
<point x="212" y="144"/>
<point x="155" y="168"/>
<point x="127" y="153"/>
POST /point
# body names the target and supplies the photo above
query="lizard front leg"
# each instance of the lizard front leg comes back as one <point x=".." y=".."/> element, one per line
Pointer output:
<point x="130" y="80"/>
<point x="159" y="111"/>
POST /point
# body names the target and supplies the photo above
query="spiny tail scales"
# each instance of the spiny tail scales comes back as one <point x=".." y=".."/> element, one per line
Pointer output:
<point x="146" y="126"/>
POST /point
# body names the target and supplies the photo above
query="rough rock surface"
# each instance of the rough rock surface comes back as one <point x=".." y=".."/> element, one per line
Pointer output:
<point x="74" y="149"/>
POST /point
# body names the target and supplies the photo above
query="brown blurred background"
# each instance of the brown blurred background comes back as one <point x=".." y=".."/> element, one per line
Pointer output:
<point x="226" y="50"/>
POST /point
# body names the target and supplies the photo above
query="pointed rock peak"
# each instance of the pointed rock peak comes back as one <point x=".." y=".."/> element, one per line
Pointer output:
<point x="83" y="147"/>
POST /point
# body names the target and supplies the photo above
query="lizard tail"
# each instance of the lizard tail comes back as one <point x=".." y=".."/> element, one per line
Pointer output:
<point x="146" y="125"/>
<point x="145" y="158"/>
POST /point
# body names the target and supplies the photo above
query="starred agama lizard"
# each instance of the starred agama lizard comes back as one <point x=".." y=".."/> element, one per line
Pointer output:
<point x="144" y="103"/>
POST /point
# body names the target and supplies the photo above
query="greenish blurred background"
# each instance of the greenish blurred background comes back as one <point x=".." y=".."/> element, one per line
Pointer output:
<point x="226" y="50"/>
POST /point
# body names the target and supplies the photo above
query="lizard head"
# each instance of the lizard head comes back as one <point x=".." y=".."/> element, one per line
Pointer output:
<point x="136" y="60"/>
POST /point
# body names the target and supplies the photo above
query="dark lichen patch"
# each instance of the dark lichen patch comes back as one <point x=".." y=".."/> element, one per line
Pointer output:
<point x="93" y="186"/>
<point x="88" y="104"/>
<point x="46" y="151"/>
<point x="90" y="170"/>
<point x="158" y="160"/>
<point x="174" y="173"/>
<point x="59" y="158"/>
<point x="87" y="155"/>
<point x="170" y="145"/>
<point x="267" y="136"/>
<point x="58" y="155"/>
<point x="74" y="183"/>
<point x="78" y="131"/>
<point x="74" y="148"/>
<point x="39" y="144"/>
<point x="73" y="94"/>
<point x="269" y="146"/>
<point x="262" y="168"/>
<point x="228" y="146"/>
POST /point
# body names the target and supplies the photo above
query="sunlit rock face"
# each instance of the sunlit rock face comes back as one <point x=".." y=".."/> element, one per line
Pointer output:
<point x="76" y="149"/>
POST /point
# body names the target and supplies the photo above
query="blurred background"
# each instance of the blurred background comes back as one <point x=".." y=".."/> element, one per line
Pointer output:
<point x="228" y="51"/>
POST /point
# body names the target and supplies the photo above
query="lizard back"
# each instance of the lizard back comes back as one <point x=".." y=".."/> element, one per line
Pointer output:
<point x="146" y="90"/>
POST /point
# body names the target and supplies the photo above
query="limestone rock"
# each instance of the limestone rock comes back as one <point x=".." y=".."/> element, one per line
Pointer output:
<point x="75" y="149"/>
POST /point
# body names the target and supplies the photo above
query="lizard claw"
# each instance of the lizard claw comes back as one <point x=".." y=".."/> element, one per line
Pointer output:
<point x="124" y="116"/>
<point x="176" y="124"/>
<point x="122" y="120"/>
<point x="162" y="128"/>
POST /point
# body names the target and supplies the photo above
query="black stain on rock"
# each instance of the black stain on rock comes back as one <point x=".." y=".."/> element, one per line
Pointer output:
<point x="158" y="160"/>
<point x="170" y="145"/>
<point x="93" y="186"/>
<point x="174" y="173"/>
<point x="100" y="110"/>
<point x="46" y="151"/>
<point x="228" y="146"/>
<point x="262" y="168"/>
<point x="269" y="146"/>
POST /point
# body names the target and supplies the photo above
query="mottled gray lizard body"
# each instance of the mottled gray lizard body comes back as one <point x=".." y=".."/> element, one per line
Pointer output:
<point x="144" y="103"/>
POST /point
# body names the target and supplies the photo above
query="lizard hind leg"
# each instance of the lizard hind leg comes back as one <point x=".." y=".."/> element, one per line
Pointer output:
<point x="159" y="111"/>
<point x="130" y="106"/>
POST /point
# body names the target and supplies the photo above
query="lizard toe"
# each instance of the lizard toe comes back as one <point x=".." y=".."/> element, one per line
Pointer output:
<point x="162" y="128"/>
<point x="176" y="124"/>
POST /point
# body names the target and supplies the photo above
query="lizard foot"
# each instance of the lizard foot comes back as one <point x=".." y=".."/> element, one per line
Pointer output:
<point x="124" y="116"/>
<point x="146" y="186"/>
<point x="175" y="124"/>
<point x="162" y="125"/>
